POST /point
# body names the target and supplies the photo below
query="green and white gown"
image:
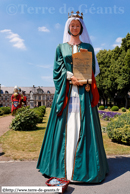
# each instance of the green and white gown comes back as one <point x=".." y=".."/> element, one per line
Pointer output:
<point x="73" y="145"/>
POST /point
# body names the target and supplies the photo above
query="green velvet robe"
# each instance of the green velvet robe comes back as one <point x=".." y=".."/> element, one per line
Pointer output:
<point x="90" y="162"/>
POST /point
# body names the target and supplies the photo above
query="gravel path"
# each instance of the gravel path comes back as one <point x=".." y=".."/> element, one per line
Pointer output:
<point x="4" y="127"/>
<point x="4" y="124"/>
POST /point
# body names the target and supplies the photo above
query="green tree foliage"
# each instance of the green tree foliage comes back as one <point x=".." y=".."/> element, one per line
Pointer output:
<point x="114" y="77"/>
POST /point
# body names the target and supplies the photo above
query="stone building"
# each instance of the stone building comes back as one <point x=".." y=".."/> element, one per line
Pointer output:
<point x="36" y="96"/>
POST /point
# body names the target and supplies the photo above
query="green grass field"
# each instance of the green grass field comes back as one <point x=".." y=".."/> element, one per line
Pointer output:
<point x="26" y="145"/>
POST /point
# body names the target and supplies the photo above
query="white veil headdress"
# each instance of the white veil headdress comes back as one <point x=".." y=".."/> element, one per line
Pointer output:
<point x="84" y="36"/>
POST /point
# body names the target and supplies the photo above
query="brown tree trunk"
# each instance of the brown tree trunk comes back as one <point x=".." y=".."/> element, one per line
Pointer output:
<point x="126" y="102"/>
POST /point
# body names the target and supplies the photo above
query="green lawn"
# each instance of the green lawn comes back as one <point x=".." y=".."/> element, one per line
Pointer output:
<point x="25" y="145"/>
<point x="5" y="115"/>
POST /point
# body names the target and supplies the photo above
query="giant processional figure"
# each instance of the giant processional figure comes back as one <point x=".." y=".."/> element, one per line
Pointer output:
<point x="73" y="146"/>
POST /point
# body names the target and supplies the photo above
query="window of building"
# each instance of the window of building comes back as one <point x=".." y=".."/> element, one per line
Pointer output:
<point x="48" y="92"/>
<point x="44" y="97"/>
<point x="6" y="92"/>
<point x="1" y="92"/>
<point x="40" y="91"/>
<point x="39" y="97"/>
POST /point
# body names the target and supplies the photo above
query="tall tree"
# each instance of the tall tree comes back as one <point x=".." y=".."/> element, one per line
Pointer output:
<point x="123" y="79"/>
<point x="114" y="74"/>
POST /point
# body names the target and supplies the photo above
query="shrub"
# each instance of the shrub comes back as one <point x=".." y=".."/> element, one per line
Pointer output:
<point x="24" y="121"/>
<point x="101" y="108"/>
<point x="39" y="114"/>
<point x="19" y="110"/>
<point x="43" y="109"/>
<point x="7" y="110"/>
<point x="1" y="112"/>
<point x="40" y="111"/>
<point x="129" y="109"/>
<point x="123" y="109"/>
<point x="118" y="130"/>
<point x="115" y="108"/>
<point x="109" y="108"/>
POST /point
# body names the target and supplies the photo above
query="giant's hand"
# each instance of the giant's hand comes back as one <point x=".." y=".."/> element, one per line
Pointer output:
<point x="83" y="50"/>
<point x="75" y="81"/>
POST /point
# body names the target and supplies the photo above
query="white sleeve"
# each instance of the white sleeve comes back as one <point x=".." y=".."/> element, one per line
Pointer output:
<point x="69" y="75"/>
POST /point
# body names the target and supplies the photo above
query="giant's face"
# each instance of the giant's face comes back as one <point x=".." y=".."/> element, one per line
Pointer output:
<point x="75" y="27"/>
<point x="15" y="90"/>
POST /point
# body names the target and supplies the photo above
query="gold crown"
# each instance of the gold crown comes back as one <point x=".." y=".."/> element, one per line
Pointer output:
<point x="76" y="15"/>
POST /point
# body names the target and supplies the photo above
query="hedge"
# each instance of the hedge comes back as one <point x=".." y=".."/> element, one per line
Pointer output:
<point x="39" y="111"/>
<point x="1" y="112"/>
<point x="109" y="108"/>
<point x="118" y="130"/>
<point x="39" y="114"/>
<point x="101" y="107"/>
<point x="25" y="121"/>
<point x="115" y="108"/>
<point x="19" y="110"/>
<point x="6" y="110"/>
<point x="123" y="109"/>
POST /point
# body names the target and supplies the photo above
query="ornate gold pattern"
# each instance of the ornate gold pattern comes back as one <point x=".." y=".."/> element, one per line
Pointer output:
<point x="77" y="15"/>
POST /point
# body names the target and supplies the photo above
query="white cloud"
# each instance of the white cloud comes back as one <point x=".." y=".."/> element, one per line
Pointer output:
<point x="43" y="29"/>
<point x="15" y="39"/>
<point x="45" y="66"/>
<point x="6" y="30"/>
<point x="114" y="45"/>
<point x="97" y="49"/>
<point x="119" y="39"/>
<point x="103" y="44"/>
<point x="118" y="42"/>
<point x="57" y="26"/>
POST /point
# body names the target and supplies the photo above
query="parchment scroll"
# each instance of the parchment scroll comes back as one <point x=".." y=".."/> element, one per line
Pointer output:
<point x="82" y="65"/>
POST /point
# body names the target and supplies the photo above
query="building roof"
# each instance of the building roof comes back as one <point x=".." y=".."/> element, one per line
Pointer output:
<point x="28" y="89"/>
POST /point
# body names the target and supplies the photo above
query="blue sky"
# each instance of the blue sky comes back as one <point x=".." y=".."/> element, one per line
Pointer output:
<point x="31" y="30"/>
